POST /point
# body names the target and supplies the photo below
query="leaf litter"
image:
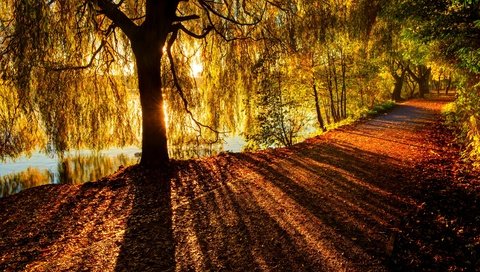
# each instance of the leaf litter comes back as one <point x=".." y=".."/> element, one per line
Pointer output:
<point x="384" y="194"/>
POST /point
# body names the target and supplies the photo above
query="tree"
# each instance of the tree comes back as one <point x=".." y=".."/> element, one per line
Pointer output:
<point x="42" y="38"/>
<point x="398" y="71"/>
<point x="421" y="74"/>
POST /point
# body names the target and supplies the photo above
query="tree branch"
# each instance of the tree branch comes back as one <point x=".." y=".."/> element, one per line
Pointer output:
<point x="181" y="27"/>
<point x="186" y="18"/>
<point x="179" y="88"/>
<point x="209" y="8"/>
<point x="117" y="16"/>
<point x="89" y="64"/>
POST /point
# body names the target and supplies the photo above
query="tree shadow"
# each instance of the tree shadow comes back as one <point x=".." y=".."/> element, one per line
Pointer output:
<point x="287" y="210"/>
<point x="63" y="229"/>
<point x="148" y="243"/>
<point x="225" y="228"/>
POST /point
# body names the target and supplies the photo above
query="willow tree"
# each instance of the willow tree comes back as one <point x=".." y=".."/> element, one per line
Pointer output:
<point x="93" y="40"/>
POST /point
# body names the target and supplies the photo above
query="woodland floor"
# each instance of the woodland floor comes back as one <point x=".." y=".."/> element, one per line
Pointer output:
<point x="384" y="194"/>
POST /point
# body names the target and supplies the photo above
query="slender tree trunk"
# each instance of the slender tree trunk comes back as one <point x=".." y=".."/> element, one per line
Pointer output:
<point x="148" y="57"/>
<point x="362" y="98"/>
<point x="344" y="87"/>
<point x="317" y="108"/>
<point x="338" y="105"/>
<point x="330" y="90"/>
<point x="439" y="82"/>
<point x="449" y="84"/>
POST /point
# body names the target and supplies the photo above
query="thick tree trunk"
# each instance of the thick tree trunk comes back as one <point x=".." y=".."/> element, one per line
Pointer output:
<point x="398" y="86"/>
<point x="344" y="87"/>
<point x="422" y="79"/>
<point x="154" y="135"/>
<point x="423" y="86"/>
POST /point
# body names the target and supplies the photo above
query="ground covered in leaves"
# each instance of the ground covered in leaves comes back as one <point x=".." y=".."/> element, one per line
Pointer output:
<point x="384" y="194"/>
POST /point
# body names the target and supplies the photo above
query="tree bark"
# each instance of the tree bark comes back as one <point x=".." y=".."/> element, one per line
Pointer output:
<point x="423" y="86"/>
<point x="449" y="84"/>
<point x="344" y="87"/>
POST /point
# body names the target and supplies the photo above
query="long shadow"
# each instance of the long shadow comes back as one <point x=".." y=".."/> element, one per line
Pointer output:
<point x="227" y="220"/>
<point x="62" y="218"/>
<point x="225" y="228"/>
<point x="148" y="243"/>
<point x="331" y="211"/>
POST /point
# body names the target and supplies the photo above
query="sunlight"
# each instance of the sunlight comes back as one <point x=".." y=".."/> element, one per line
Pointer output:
<point x="165" y="113"/>
<point x="196" y="68"/>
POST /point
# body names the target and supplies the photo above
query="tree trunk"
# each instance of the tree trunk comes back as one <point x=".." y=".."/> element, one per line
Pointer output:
<point x="398" y="86"/>
<point x="344" y="87"/>
<point x="148" y="57"/>
<point x="330" y="92"/>
<point x="422" y="79"/>
<point x="423" y="86"/>
<point x="449" y="83"/>
<point x="317" y="108"/>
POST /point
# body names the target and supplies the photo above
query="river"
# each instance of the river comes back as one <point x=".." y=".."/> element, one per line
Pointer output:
<point x="82" y="166"/>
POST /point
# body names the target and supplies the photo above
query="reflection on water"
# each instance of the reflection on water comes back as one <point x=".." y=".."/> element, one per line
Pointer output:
<point x="86" y="166"/>
<point x="72" y="169"/>
<point x="14" y="183"/>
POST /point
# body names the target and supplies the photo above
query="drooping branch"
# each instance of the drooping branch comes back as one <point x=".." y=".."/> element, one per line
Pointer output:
<point x="179" y="88"/>
<point x="81" y="67"/>
<point x="206" y="6"/>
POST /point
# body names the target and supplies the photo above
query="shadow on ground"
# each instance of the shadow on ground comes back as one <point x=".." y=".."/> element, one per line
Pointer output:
<point x="331" y="203"/>
<point x="148" y="243"/>
<point x="323" y="205"/>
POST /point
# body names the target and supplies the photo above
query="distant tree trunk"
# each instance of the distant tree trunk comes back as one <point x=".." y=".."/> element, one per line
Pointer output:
<point x="422" y="78"/>
<point x="148" y="55"/>
<point x="362" y="99"/>
<point x="412" y="86"/>
<point x="439" y="82"/>
<point x="330" y="92"/>
<point x="317" y="108"/>
<point x="337" y="100"/>
<point x="327" y="113"/>
<point x="343" y="95"/>
<point x="398" y="86"/>
<point x="449" y="84"/>
<point x="423" y="86"/>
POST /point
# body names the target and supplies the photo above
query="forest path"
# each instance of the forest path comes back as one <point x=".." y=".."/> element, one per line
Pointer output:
<point x="331" y="203"/>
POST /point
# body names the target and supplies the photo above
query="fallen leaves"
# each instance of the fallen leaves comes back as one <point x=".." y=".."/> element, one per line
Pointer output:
<point x="349" y="200"/>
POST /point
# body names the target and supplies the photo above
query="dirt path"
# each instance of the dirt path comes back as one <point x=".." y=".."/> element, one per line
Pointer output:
<point x="331" y="203"/>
